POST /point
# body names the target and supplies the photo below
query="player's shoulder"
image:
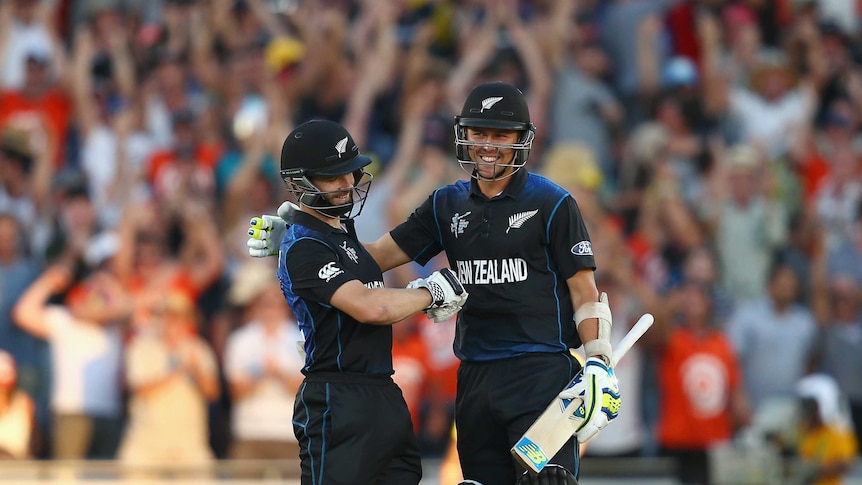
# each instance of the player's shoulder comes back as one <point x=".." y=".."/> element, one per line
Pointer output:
<point x="544" y="189"/>
<point x="301" y="238"/>
<point x="457" y="188"/>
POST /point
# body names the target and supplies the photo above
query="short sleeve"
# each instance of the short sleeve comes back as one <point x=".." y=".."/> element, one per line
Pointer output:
<point x="314" y="270"/>
<point x="569" y="240"/>
<point x="419" y="236"/>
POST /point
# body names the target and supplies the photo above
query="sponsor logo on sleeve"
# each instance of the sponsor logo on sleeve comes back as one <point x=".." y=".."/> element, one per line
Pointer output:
<point x="583" y="248"/>
<point x="329" y="271"/>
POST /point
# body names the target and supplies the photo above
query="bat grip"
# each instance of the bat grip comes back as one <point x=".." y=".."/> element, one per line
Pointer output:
<point x="643" y="324"/>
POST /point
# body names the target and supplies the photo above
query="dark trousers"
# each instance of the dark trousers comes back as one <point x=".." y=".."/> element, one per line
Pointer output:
<point x="78" y="436"/>
<point x="354" y="429"/>
<point x="497" y="401"/>
<point x="692" y="466"/>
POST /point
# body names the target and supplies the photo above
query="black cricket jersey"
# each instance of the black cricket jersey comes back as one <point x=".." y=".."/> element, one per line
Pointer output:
<point x="513" y="253"/>
<point x="314" y="260"/>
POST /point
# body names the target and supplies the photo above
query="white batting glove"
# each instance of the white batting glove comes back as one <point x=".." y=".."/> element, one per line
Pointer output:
<point x="264" y="235"/>
<point x="447" y="293"/>
<point x="446" y="312"/>
<point x="266" y="232"/>
<point x="597" y="388"/>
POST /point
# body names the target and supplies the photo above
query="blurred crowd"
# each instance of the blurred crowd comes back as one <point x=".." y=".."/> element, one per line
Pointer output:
<point x="713" y="147"/>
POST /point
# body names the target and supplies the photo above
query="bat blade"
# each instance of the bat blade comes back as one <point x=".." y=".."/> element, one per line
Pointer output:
<point x="562" y="417"/>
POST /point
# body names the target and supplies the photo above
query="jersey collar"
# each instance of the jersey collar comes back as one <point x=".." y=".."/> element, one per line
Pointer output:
<point x="309" y="221"/>
<point x="516" y="185"/>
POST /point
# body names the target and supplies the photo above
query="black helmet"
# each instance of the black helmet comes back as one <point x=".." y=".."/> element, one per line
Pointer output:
<point x="322" y="148"/>
<point x="500" y="106"/>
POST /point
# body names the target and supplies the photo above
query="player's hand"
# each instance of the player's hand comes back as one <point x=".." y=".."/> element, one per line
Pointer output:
<point x="597" y="388"/>
<point x="264" y="235"/>
<point x="266" y="232"/>
<point x="446" y="312"/>
<point x="446" y="290"/>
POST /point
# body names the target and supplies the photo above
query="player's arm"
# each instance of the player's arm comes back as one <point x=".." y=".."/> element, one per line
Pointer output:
<point x="315" y="274"/>
<point x="387" y="253"/>
<point x="598" y="388"/>
<point x="379" y="306"/>
<point x="583" y="290"/>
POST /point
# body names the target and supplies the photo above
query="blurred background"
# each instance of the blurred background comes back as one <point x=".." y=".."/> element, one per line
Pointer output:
<point x="713" y="147"/>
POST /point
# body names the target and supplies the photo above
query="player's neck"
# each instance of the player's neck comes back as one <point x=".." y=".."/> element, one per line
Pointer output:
<point x="332" y="221"/>
<point x="493" y="188"/>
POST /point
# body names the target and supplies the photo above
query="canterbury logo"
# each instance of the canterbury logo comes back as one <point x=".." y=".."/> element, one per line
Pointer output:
<point x="518" y="220"/>
<point x="341" y="146"/>
<point x="329" y="271"/>
<point x="488" y="103"/>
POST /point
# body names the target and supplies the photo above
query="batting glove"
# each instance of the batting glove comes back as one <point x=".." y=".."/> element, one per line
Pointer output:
<point x="597" y="388"/>
<point x="266" y="232"/>
<point x="264" y="235"/>
<point x="447" y="293"/>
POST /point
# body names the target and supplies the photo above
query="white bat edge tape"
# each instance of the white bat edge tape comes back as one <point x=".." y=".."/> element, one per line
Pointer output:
<point x="643" y="324"/>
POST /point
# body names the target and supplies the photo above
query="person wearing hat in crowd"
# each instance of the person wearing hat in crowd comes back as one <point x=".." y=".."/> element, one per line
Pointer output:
<point x="262" y="366"/>
<point x="348" y="406"/>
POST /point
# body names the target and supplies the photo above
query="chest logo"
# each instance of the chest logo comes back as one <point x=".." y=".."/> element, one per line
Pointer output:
<point x="518" y="220"/>
<point x="329" y="271"/>
<point x="459" y="223"/>
<point x="350" y="252"/>
<point x="583" y="248"/>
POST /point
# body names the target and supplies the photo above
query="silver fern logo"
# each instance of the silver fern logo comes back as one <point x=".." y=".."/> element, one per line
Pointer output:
<point x="488" y="103"/>
<point x="341" y="146"/>
<point x="518" y="220"/>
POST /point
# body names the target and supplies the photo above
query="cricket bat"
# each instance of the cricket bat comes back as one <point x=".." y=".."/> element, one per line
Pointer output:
<point x="561" y="418"/>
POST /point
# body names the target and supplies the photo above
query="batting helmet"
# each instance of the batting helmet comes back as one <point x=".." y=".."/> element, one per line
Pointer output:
<point x="552" y="474"/>
<point x="499" y="106"/>
<point x="322" y="148"/>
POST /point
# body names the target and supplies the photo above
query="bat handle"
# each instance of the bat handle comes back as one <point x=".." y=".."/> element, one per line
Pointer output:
<point x="643" y="324"/>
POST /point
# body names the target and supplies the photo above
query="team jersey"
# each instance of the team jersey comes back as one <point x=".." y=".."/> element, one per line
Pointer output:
<point x="513" y="253"/>
<point x="314" y="260"/>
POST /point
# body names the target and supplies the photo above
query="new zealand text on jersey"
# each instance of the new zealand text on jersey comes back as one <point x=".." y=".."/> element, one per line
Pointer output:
<point x="492" y="271"/>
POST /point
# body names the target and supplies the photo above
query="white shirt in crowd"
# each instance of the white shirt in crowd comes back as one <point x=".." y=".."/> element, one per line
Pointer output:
<point x="267" y="413"/>
<point x="86" y="364"/>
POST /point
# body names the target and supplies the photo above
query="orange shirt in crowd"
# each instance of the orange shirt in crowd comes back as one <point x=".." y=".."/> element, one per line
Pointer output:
<point x="410" y="361"/>
<point x="696" y="379"/>
<point x="54" y="108"/>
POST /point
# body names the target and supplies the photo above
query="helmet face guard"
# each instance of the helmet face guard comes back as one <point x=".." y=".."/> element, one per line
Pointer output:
<point x="521" y="148"/>
<point x="309" y="195"/>
<point x="496" y="106"/>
